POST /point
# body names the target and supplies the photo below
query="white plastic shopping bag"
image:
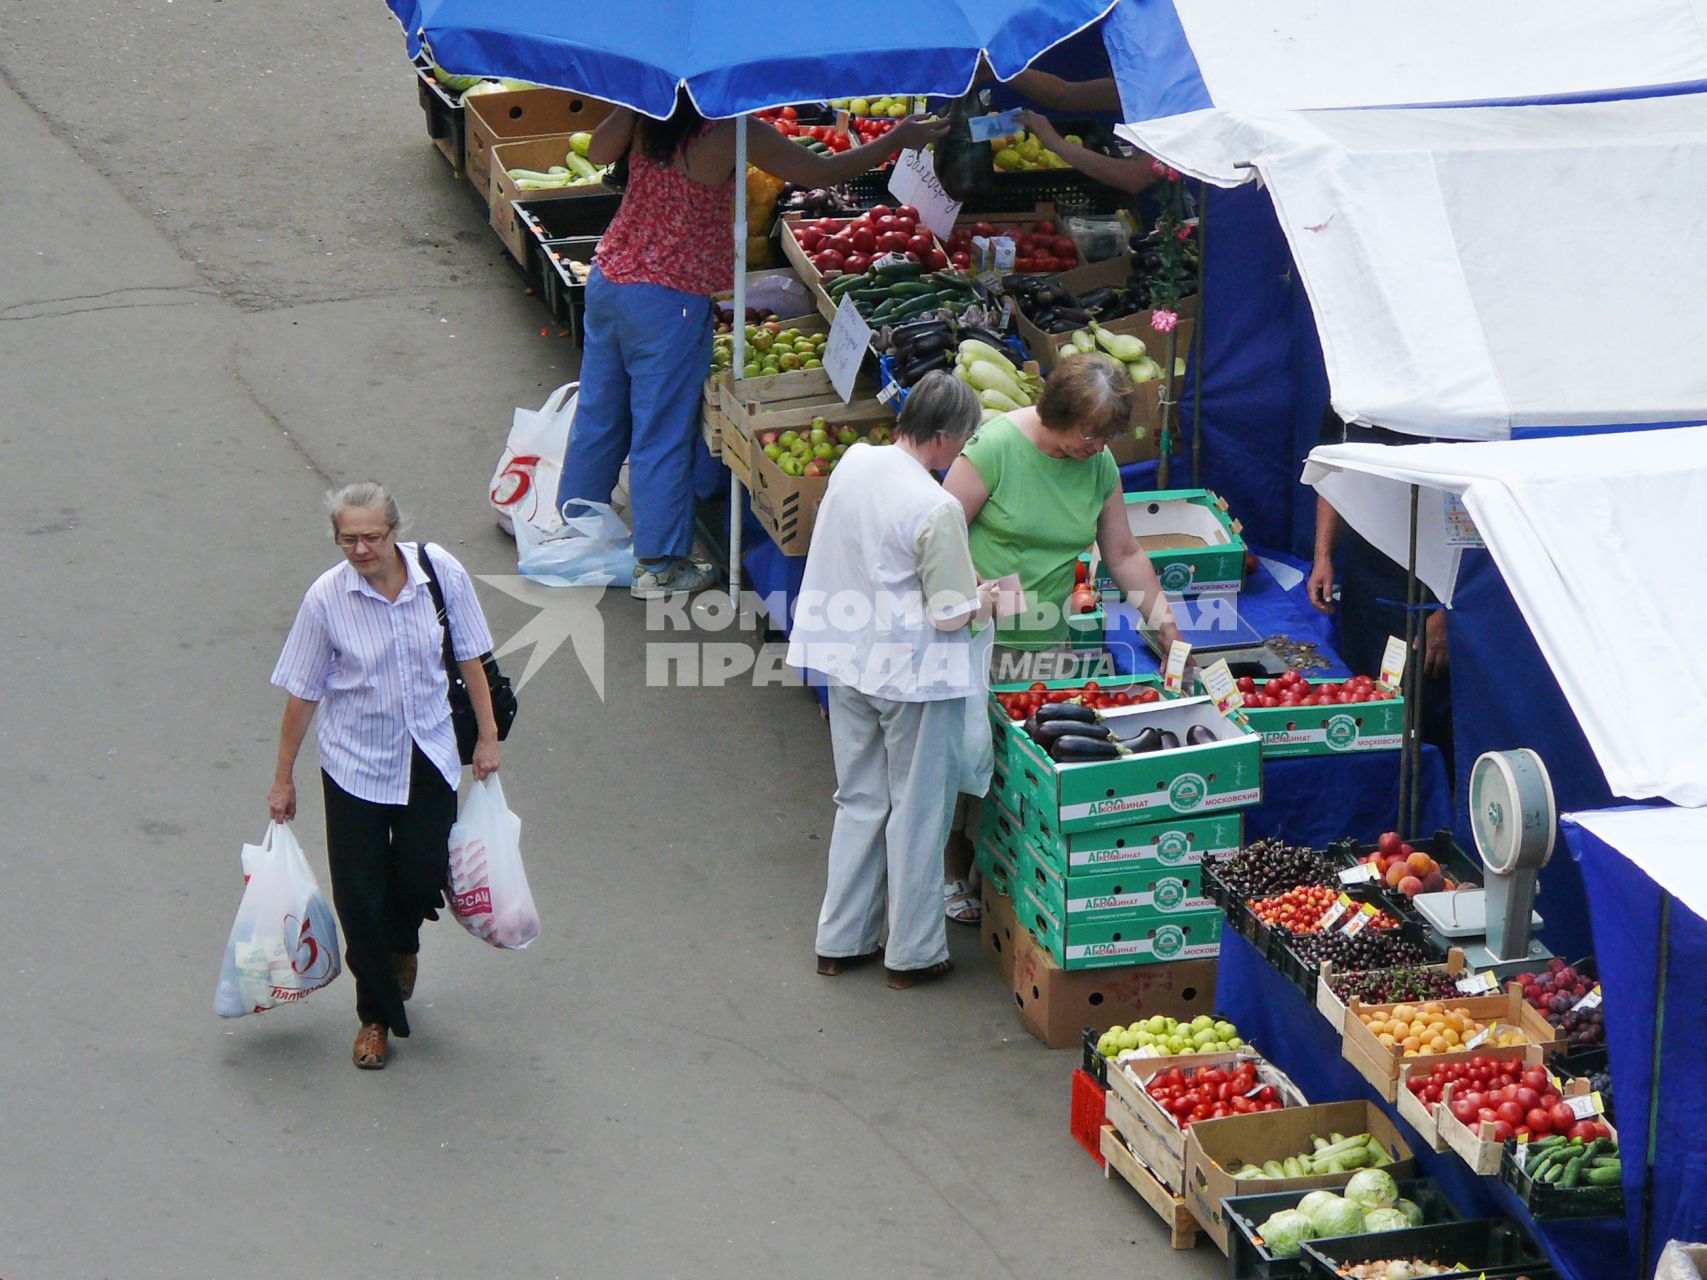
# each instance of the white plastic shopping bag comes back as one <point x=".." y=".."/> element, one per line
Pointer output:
<point x="590" y="550"/>
<point x="978" y="763"/>
<point x="284" y="943"/>
<point x="524" y="487"/>
<point x="488" y="888"/>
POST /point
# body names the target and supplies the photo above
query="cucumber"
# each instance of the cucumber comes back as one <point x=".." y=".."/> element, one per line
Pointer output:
<point x="910" y="288"/>
<point x="1606" y="1175"/>
<point x="1572" y="1172"/>
<point x="906" y="269"/>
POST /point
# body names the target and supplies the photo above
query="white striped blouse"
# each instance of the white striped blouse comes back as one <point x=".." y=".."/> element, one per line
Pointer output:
<point x="377" y="665"/>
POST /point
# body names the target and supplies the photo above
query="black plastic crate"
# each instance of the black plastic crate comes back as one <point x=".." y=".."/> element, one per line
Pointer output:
<point x="1095" y="1065"/>
<point x="1489" y="1246"/>
<point x="446" y="120"/>
<point x="587" y="215"/>
<point x="1453" y="861"/>
<point x="1246" y="1258"/>
<point x="1545" y="1200"/>
<point x="1304" y="974"/>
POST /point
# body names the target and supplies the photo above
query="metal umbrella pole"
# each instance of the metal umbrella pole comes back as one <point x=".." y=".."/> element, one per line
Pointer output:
<point x="1197" y="339"/>
<point x="738" y="329"/>
<point x="1654" y="1082"/>
<point x="1165" y="439"/>
<point x="1411" y="682"/>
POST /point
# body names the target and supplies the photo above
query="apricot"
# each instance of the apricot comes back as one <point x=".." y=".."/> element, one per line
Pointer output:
<point x="1410" y="886"/>
<point x="1421" y="864"/>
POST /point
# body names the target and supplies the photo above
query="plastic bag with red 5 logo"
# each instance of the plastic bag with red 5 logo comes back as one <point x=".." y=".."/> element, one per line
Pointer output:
<point x="284" y="943"/>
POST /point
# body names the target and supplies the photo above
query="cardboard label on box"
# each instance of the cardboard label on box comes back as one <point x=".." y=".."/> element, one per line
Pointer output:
<point x="1392" y="664"/>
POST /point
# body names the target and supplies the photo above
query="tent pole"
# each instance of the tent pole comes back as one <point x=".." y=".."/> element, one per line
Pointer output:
<point x="1409" y="684"/>
<point x="738" y="330"/>
<point x="1197" y="339"/>
<point x="1654" y="1081"/>
<point x="1164" y="468"/>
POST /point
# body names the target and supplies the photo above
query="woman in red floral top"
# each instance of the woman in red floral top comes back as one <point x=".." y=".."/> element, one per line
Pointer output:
<point x="649" y="317"/>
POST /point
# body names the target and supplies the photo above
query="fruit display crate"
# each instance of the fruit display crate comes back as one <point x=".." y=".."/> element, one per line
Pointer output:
<point x="1195" y="546"/>
<point x="516" y="115"/>
<point x="1096" y="944"/>
<point x="1304" y="974"/>
<point x="1454" y="863"/>
<point x="1547" y="1201"/>
<point x="1273" y="940"/>
<point x="1380" y="1065"/>
<point x="1169" y="1207"/>
<point x="1488" y="1247"/>
<point x="1334" y="730"/>
<point x="1332" y="1008"/>
<point x="1176" y="843"/>
<point x="1191" y="779"/>
<point x="1249" y="1259"/>
<point x="446" y="117"/>
<point x="1478" y="1147"/>
<point x="1425" y="1117"/>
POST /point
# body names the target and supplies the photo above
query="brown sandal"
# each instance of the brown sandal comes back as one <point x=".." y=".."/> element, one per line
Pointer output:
<point x="833" y="966"/>
<point x="903" y="979"/>
<point x="370" y="1052"/>
<point x="405" y="966"/>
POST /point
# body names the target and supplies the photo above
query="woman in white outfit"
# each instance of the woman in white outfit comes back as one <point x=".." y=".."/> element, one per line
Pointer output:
<point x="886" y="610"/>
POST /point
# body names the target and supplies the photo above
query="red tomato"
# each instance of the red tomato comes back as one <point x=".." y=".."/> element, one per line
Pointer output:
<point x="1562" y="1116"/>
<point x="1535" y="1078"/>
<point x="858" y="263"/>
<point x="1065" y="248"/>
<point x="962" y="260"/>
<point x="810" y="239"/>
<point x="1527" y="1098"/>
<point x="907" y="211"/>
<point x="830" y="260"/>
<point x="921" y="245"/>
<point x="880" y="211"/>
<point x="936" y="260"/>
<point x="908" y="226"/>
<point x="891" y="242"/>
<point x="1539" y="1121"/>
<point x="981" y="229"/>
<point x="1044" y="227"/>
<point x="1463" y="1111"/>
<point x="1502" y="1131"/>
<point x="1058" y="695"/>
<point x="1511" y="1113"/>
<point x="864" y="241"/>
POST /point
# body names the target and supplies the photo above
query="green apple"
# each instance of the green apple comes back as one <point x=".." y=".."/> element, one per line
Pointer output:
<point x="1202" y="1022"/>
<point x="813" y="363"/>
<point x="840" y="450"/>
<point x="1204" y="1039"/>
<point x="787" y="439"/>
<point x="773" y="451"/>
<point x="819" y="435"/>
<point x="824" y="450"/>
<point x="801" y="449"/>
<point x="860" y="107"/>
<point x="1225" y="1030"/>
<point x="1128" y="1040"/>
<point x="789" y="361"/>
<point x="1108" y="1044"/>
<point x="1159" y="1025"/>
<point x="752" y="371"/>
<point x="847" y="435"/>
<point x="762" y="340"/>
<point x="897" y="110"/>
<point x="1234" y="1043"/>
<point x="790" y="464"/>
<point x="1144" y="1037"/>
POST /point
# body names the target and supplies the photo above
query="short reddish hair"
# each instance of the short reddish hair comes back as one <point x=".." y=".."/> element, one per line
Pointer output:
<point x="1091" y="393"/>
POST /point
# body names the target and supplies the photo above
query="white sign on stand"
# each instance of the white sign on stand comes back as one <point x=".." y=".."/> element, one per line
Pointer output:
<point x="845" y="348"/>
<point x="913" y="181"/>
<point x="1460" y="528"/>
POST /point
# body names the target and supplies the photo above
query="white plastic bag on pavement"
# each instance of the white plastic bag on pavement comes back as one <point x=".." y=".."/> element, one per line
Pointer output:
<point x="591" y="550"/>
<point x="284" y="943"/>
<point x="524" y="487"/>
<point x="488" y="888"/>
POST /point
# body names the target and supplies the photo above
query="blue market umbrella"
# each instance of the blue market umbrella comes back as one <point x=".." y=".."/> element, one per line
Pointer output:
<point x="737" y="56"/>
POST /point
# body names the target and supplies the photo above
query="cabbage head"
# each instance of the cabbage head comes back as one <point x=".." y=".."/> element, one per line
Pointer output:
<point x="1372" y="1188"/>
<point x="1412" y="1211"/>
<point x="1338" y="1218"/>
<point x="1315" y="1200"/>
<point x="1285" y="1232"/>
<point x="1384" y="1220"/>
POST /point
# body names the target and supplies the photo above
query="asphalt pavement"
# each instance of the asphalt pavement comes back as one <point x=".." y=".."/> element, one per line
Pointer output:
<point x="233" y="273"/>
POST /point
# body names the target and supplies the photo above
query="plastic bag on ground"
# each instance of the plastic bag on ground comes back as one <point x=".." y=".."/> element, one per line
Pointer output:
<point x="591" y="550"/>
<point x="488" y="887"/>
<point x="1680" y="1261"/>
<point x="524" y="486"/>
<point x="284" y="942"/>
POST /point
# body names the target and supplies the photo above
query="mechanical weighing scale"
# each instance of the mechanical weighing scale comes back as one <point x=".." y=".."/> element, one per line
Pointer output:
<point x="1514" y="822"/>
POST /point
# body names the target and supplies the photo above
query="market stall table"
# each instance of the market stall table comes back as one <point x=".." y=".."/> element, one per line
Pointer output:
<point x="1273" y="1015"/>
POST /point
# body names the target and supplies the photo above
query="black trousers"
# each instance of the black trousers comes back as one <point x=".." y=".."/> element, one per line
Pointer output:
<point x="390" y="870"/>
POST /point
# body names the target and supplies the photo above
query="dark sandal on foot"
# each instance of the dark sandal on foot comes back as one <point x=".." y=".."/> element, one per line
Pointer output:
<point x="902" y="979"/>
<point x="834" y="966"/>
<point x="370" y="1051"/>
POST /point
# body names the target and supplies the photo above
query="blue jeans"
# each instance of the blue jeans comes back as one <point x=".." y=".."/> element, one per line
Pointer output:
<point x="647" y="354"/>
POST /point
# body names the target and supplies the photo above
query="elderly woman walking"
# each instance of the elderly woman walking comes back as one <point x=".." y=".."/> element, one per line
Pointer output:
<point x="368" y="644"/>
<point x="887" y="604"/>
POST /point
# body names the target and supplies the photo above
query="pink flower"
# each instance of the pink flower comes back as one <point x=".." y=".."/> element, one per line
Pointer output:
<point x="1163" y="321"/>
<point x="1158" y="168"/>
<point x="1184" y="233"/>
<point x="1173" y="175"/>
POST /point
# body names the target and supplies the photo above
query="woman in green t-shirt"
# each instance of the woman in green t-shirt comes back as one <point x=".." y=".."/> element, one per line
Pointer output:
<point x="1039" y="486"/>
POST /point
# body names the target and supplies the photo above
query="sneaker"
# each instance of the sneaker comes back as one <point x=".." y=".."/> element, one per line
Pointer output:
<point x="676" y="577"/>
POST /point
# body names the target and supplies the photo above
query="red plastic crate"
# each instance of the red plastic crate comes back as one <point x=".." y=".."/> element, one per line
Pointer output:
<point x="1089" y="1114"/>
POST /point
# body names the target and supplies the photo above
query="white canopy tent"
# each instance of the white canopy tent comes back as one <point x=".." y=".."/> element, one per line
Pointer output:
<point x="1602" y="540"/>
<point x="1474" y="270"/>
<point x="1669" y="845"/>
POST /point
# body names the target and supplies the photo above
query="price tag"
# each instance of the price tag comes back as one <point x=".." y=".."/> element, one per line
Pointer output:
<point x="1584" y="1106"/>
<point x="994" y="256"/>
<point x="1521" y="1155"/>
<point x="984" y="128"/>
<point x="889" y="393"/>
<point x="1590" y="1001"/>
<point x="845" y="348"/>
<point x="1476" y="1041"/>
<point x="1359" y="920"/>
<point x="1148" y="1051"/>
<point x="1460" y="528"/>
<point x="1332" y="915"/>
<point x="1173" y="678"/>
<point x="1218" y="680"/>
<point x="1362" y="873"/>
<point x="913" y="180"/>
<point x="1392" y="664"/>
<point x="1478" y="984"/>
<point x="890" y="260"/>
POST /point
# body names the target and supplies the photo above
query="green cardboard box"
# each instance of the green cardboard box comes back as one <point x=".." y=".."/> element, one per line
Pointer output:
<point x="1132" y="892"/>
<point x="1329" y="731"/>
<point x="998" y="866"/>
<point x="1180" y="842"/>
<point x="1096" y="944"/>
<point x="1188" y="780"/>
<point x="1006" y="731"/>
<point x="1193" y="543"/>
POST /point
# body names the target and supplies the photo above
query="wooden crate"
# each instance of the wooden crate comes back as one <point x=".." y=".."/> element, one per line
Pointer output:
<point x="1332" y="1007"/>
<point x="1476" y="1147"/>
<point x="1380" y="1066"/>
<point x="802" y="265"/>
<point x="1182" y="1227"/>
<point x="787" y="506"/>
<point x="1163" y="1154"/>
<point x="517" y="115"/>
<point x="535" y="153"/>
<point x="1421" y="1118"/>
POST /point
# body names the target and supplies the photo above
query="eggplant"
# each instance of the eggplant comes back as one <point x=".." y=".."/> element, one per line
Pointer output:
<point x="915" y="369"/>
<point x="1065" y="711"/>
<point x="1055" y="730"/>
<point x="1170" y="740"/>
<point x="1030" y="727"/>
<point x="1199" y="735"/>
<point x="914" y="346"/>
<point x="1146" y="739"/>
<point x="1097" y="298"/>
<point x="902" y="334"/>
<point x="1078" y="315"/>
<point x="1069" y="750"/>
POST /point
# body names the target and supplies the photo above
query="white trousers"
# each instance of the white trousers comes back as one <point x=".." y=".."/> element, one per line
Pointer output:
<point x="898" y="767"/>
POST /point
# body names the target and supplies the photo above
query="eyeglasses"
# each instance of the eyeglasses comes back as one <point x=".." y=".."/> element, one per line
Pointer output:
<point x="1101" y="442"/>
<point x="348" y="540"/>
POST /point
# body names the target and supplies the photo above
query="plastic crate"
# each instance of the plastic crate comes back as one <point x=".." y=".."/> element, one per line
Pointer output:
<point x="1089" y="1115"/>
<point x="446" y="119"/>
<point x="1094" y="1064"/>
<point x="564" y="295"/>
<point x="1304" y="974"/>
<point x="1545" y="1201"/>
<point x="1486" y="1246"/>
<point x="1453" y="861"/>
<point x="588" y="215"/>
<point x="1247" y="1258"/>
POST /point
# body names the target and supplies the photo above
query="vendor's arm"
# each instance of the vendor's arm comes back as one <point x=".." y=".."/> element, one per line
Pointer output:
<point x="1132" y="571"/>
<point x="782" y="158"/>
<point x="950" y="585"/>
<point x="281" y="800"/>
<point x="967" y="485"/>
<point x="1131" y="174"/>
<point x="612" y="137"/>
<point x="1321" y="588"/>
<point x="1068" y="95"/>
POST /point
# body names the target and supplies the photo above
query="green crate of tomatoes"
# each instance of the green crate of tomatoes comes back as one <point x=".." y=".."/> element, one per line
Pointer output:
<point x="1303" y="717"/>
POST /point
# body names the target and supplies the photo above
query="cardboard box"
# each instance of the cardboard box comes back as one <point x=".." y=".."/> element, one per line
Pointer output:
<point x="517" y="115"/>
<point x="1186" y="781"/>
<point x="997" y="930"/>
<point x="1056" y="1006"/>
<point x="1178" y="843"/>
<point x="535" y="153"/>
<point x="1004" y="729"/>
<point x="1133" y="894"/>
<point x="1193" y="543"/>
<point x="1092" y="944"/>
<point x="1216" y="1148"/>
<point x="1380" y="1065"/>
<point x="1160" y="1142"/>
<point x="1328" y="731"/>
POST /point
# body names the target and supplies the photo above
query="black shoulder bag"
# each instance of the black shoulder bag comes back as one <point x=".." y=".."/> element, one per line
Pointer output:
<point x="462" y="715"/>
